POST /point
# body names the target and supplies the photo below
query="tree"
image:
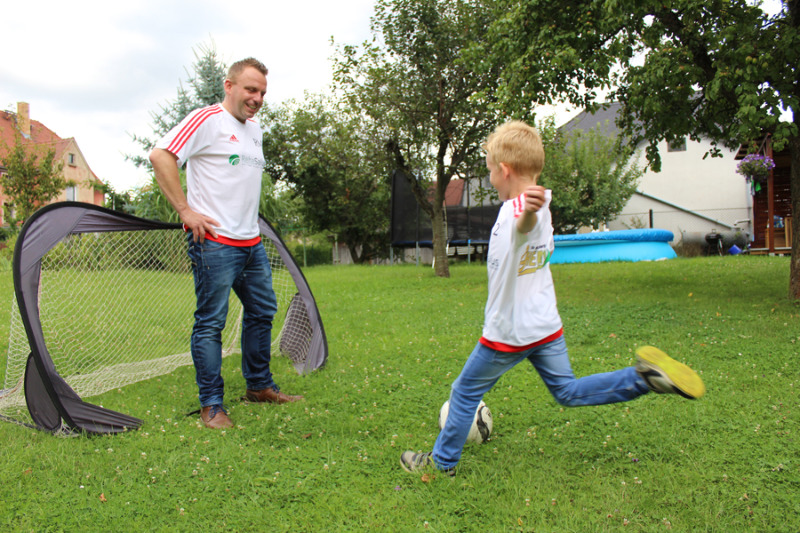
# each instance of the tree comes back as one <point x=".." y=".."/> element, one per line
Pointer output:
<point x="206" y="82"/>
<point x="721" y="69"/>
<point x="277" y="204"/>
<point x="116" y="201"/>
<point x="149" y="202"/>
<point x="33" y="177"/>
<point x="433" y="105"/>
<point x="593" y="174"/>
<point x="336" y="166"/>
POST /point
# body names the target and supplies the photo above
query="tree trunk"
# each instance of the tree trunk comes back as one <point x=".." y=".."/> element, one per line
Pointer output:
<point x="354" y="256"/>
<point x="794" y="272"/>
<point x="441" y="263"/>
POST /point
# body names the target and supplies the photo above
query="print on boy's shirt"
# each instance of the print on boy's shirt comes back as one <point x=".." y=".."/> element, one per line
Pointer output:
<point x="533" y="259"/>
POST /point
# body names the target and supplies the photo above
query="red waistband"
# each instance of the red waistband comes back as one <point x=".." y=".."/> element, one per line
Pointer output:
<point x="507" y="348"/>
<point x="231" y="242"/>
<point x="234" y="242"/>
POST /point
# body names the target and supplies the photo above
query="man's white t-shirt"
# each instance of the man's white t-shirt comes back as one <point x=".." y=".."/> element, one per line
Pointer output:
<point x="224" y="164"/>
<point x="521" y="308"/>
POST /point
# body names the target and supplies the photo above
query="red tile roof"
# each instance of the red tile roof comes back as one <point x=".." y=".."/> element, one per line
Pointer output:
<point x="8" y="128"/>
<point x="452" y="196"/>
<point x="41" y="136"/>
<point x="454" y="192"/>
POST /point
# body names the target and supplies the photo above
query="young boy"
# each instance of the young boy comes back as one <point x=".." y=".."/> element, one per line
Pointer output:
<point x="521" y="319"/>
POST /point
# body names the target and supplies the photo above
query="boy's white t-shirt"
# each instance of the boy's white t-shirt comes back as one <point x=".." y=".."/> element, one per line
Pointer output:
<point x="224" y="167"/>
<point x="521" y="308"/>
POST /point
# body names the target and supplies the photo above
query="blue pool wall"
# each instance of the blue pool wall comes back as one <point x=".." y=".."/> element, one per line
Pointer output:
<point x="622" y="245"/>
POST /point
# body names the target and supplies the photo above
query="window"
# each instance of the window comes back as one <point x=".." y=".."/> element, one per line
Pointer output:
<point x="71" y="159"/>
<point x="72" y="193"/>
<point x="678" y="145"/>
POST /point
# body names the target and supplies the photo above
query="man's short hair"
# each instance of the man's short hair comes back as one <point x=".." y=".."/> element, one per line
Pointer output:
<point x="238" y="67"/>
<point x="518" y="145"/>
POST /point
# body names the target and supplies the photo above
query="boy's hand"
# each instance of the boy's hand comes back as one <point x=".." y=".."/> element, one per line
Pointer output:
<point x="534" y="198"/>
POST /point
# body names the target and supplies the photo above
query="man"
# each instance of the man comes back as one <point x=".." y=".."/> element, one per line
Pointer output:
<point x="221" y="147"/>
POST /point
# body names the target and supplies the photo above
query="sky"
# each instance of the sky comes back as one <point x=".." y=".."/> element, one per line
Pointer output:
<point x="95" y="70"/>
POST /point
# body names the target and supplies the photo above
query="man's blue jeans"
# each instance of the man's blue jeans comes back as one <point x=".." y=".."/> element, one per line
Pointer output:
<point x="218" y="268"/>
<point x="484" y="368"/>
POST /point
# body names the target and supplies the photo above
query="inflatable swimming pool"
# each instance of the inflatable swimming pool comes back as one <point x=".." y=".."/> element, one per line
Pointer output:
<point x="622" y="245"/>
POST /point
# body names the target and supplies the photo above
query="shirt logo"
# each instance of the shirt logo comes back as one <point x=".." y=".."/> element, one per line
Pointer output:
<point x="246" y="160"/>
<point x="533" y="260"/>
<point x="233" y="139"/>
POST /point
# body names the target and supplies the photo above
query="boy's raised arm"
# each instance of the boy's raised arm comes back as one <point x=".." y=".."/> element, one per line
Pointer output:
<point x="534" y="200"/>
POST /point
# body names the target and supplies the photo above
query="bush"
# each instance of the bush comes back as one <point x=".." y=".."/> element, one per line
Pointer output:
<point x="689" y="249"/>
<point x="7" y="253"/>
<point x="7" y="232"/>
<point x="316" y="253"/>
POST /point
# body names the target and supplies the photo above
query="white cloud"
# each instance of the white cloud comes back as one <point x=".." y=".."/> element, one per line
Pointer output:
<point x="94" y="70"/>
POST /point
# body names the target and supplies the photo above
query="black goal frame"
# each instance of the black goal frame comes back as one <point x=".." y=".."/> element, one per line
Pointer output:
<point x="53" y="405"/>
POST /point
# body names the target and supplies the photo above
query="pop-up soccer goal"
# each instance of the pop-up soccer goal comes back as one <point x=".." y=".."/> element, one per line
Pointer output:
<point x="105" y="299"/>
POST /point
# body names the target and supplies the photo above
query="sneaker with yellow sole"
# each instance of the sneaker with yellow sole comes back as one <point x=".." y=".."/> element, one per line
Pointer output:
<point x="665" y="375"/>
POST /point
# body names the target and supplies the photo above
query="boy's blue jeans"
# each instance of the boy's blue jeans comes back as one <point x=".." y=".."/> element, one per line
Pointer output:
<point x="218" y="268"/>
<point x="484" y="368"/>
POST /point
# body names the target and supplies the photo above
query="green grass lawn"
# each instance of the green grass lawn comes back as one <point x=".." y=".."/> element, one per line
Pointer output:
<point x="398" y="337"/>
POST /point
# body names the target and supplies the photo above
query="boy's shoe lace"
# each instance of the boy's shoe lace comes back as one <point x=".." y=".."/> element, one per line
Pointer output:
<point x="421" y="462"/>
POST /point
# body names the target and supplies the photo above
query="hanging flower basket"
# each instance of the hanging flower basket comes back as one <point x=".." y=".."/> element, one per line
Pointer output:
<point x="755" y="169"/>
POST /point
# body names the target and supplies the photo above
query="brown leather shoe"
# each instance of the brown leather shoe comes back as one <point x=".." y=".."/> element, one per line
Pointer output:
<point x="270" y="396"/>
<point x="215" y="417"/>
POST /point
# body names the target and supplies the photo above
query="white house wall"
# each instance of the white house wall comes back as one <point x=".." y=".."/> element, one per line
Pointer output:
<point x="691" y="196"/>
<point x="479" y="192"/>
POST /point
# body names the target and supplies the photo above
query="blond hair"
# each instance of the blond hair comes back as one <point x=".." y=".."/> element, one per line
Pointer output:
<point x="238" y="67"/>
<point x="517" y="145"/>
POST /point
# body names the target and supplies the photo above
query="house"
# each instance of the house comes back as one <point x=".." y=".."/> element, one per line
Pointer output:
<point x="772" y="201"/>
<point x="34" y="134"/>
<point x="693" y="195"/>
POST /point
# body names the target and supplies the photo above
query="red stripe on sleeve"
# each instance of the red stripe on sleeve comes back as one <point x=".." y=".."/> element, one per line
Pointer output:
<point x="191" y="126"/>
<point x="519" y="202"/>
